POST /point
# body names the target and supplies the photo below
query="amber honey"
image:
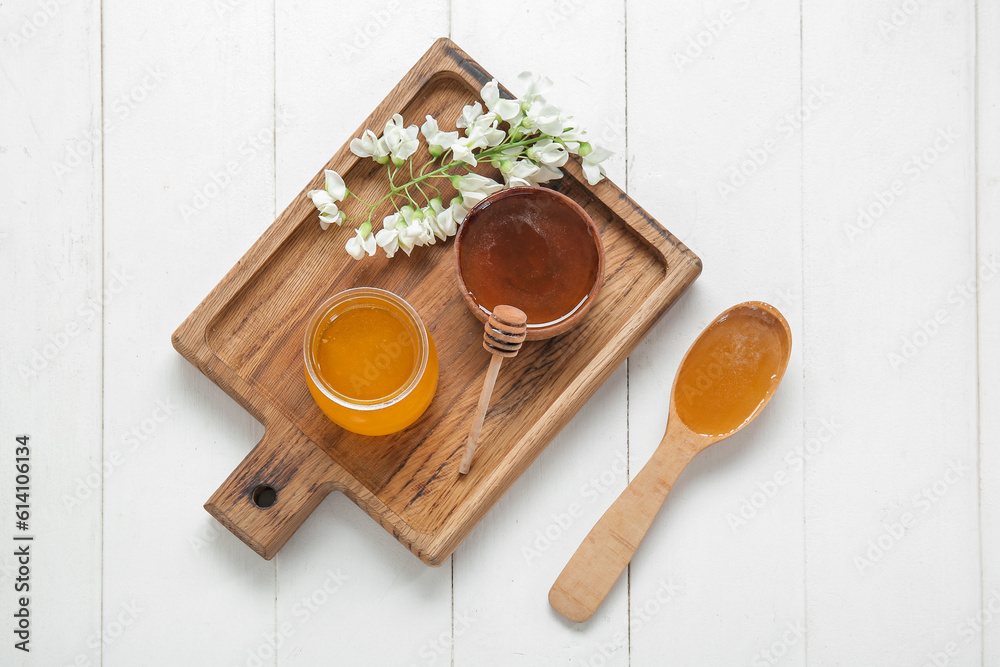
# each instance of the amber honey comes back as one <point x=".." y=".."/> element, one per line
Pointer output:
<point x="370" y="363"/>
<point x="530" y="248"/>
<point x="729" y="372"/>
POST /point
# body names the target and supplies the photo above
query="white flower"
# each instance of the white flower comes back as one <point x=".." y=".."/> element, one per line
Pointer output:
<point x="326" y="219"/>
<point x="508" y="110"/>
<point x="398" y="141"/>
<point x="548" y="119"/>
<point x="549" y="153"/>
<point x="480" y="135"/>
<point x="536" y="88"/>
<point x="395" y="235"/>
<point x="463" y="153"/>
<point x="335" y="185"/>
<point x="326" y="200"/>
<point x="469" y="114"/>
<point x="463" y="148"/>
<point x="592" y="158"/>
<point x="446" y="223"/>
<point x="407" y="237"/>
<point x="387" y="238"/>
<point x="416" y="228"/>
<point x="519" y="173"/>
<point x="511" y="153"/>
<point x="458" y="210"/>
<point x="437" y="140"/>
<point x="486" y="127"/>
<point x="572" y="139"/>
<point x="368" y="145"/>
<point x="362" y="242"/>
<point x="480" y="132"/>
<point x="440" y="220"/>
<point x="546" y="174"/>
<point x="328" y="212"/>
<point x="474" y="188"/>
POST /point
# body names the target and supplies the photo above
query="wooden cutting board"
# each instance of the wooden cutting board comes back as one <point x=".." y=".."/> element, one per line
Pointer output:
<point x="246" y="336"/>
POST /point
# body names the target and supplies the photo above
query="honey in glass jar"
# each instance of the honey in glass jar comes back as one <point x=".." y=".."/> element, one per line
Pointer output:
<point x="370" y="363"/>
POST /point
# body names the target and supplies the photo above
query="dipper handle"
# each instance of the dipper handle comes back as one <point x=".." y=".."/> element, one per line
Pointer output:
<point x="502" y="336"/>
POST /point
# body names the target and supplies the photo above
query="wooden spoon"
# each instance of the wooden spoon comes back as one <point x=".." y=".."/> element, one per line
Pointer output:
<point x="722" y="384"/>
<point x="503" y="334"/>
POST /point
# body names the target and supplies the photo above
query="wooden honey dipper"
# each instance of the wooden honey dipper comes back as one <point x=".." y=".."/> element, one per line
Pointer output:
<point x="502" y="337"/>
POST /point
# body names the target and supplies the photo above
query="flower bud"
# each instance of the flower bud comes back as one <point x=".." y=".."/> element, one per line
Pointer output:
<point x="435" y="150"/>
<point x="585" y="149"/>
<point x="365" y="229"/>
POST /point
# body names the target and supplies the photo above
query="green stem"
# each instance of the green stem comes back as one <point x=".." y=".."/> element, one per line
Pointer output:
<point x="403" y="190"/>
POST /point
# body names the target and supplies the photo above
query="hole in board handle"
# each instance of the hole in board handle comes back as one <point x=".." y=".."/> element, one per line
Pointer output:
<point x="264" y="496"/>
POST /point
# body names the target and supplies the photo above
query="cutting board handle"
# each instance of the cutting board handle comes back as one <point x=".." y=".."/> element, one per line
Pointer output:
<point x="274" y="489"/>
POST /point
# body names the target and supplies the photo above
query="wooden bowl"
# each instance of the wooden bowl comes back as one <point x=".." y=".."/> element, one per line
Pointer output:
<point x="532" y="248"/>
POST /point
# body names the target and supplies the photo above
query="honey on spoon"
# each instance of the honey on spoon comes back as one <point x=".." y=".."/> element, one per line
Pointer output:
<point x="726" y="378"/>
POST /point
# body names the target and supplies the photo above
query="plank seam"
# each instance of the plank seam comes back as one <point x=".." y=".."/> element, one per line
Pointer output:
<point x="100" y="18"/>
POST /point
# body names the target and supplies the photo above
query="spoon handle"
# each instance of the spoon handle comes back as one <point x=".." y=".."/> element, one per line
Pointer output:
<point x="598" y="562"/>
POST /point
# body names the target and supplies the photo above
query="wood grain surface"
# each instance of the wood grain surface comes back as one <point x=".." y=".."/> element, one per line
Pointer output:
<point x="247" y="337"/>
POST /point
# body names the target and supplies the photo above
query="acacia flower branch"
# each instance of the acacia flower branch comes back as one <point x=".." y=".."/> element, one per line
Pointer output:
<point x="527" y="139"/>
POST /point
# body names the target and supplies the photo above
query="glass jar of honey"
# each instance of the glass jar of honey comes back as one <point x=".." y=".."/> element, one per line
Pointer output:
<point x="370" y="363"/>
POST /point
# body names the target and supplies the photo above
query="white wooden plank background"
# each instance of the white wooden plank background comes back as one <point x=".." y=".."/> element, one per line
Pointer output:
<point x="143" y="148"/>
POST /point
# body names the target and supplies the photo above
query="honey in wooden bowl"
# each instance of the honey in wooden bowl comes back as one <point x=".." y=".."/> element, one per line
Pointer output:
<point x="534" y="249"/>
<point x="370" y="363"/>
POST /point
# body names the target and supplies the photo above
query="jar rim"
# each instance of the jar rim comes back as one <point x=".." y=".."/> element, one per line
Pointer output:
<point x="365" y="295"/>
